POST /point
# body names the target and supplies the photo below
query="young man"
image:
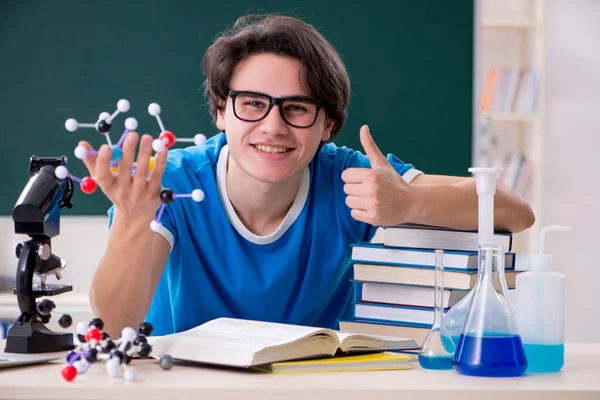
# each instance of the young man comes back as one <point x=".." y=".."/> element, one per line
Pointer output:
<point x="271" y="239"/>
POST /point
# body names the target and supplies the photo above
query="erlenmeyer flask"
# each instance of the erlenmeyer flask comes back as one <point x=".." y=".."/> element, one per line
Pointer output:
<point x="489" y="344"/>
<point x="454" y="320"/>
<point x="437" y="351"/>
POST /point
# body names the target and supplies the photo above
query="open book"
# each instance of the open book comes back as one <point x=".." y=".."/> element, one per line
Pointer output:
<point x="246" y="343"/>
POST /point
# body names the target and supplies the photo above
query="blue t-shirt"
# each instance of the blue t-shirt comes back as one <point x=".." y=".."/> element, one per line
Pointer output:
<point x="217" y="268"/>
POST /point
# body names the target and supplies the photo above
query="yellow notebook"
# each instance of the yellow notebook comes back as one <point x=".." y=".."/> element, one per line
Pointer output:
<point x="342" y="363"/>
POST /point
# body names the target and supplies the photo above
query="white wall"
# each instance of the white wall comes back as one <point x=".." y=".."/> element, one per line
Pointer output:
<point x="571" y="183"/>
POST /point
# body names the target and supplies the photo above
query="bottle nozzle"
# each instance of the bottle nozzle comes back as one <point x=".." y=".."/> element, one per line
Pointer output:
<point x="548" y="229"/>
<point x="485" y="181"/>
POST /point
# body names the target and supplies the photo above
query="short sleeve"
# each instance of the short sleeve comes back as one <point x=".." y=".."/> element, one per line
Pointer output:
<point x="346" y="158"/>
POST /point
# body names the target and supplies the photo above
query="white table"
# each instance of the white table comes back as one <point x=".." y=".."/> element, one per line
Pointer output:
<point x="580" y="379"/>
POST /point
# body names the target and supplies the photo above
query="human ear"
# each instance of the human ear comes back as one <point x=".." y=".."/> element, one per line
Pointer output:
<point x="327" y="131"/>
<point x="221" y="116"/>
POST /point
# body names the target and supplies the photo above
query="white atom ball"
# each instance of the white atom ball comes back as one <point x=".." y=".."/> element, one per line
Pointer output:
<point x="81" y="327"/>
<point x="80" y="152"/>
<point x="199" y="139"/>
<point x="154" y="109"/>
<point x="128" y="334"/>
<point x="104" y="116"/>
<point x="198" y="195"/>
<point x="158" y="145"/>
<point x="71" y="124"/>
<point x="79" y="366"/>
<point x="131" y="124"/>
<point x="61" y="172"/>
<point x="129" y="374"/>
<point x="113" y="367"/>
<point x="123" y="105"/>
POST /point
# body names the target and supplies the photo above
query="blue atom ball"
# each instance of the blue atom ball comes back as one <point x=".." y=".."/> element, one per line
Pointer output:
<point x="116" y="153"/>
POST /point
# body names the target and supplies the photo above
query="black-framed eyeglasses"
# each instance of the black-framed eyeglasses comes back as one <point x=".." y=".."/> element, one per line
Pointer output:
<point x="299" y="112"/>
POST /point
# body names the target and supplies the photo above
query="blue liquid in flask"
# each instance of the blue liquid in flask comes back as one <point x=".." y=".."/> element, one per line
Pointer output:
<point x="436" y="362"/>
<point x="494" y="355"/>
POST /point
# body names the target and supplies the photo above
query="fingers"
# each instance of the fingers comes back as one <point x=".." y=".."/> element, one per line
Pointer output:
<point x="159" y="169"/>
<point x="360" y="215"/>
<point x="90" y="159"/>
<point x="126" y="162"/>
<point x="104" y="176"/>
<point x="357" y="203"/>
<point x="355" y="175"/>
<point x="143" y="161"/>
<point x="356" y="189"/>
<point x="372" y="151"/>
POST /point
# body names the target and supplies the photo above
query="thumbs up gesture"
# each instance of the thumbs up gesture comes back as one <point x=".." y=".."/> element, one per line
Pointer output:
<point x="377" y="195"/>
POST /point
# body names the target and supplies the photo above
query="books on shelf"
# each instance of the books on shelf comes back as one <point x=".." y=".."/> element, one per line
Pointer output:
<point x="378" y="253"/>
<point x="419" y="276"/>
<point x="510" y="90"/>
<point x="247" y="343"/>
<point x="516" y="172"/>
<point x="342" y="363"/>
<point x="389" y="293"/>
<point x="429" y="237"/>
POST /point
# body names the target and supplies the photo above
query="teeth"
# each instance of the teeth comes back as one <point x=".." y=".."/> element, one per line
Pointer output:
<point x="273" y="150"/>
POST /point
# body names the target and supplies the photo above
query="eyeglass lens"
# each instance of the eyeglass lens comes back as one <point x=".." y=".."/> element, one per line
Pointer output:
<point x="254" y="107"/>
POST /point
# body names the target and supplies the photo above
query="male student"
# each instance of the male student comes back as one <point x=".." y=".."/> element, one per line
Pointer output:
<point x="282" y="205"/>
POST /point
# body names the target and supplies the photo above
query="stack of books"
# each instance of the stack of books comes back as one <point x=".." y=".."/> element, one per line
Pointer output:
<point x="394" y="281"/>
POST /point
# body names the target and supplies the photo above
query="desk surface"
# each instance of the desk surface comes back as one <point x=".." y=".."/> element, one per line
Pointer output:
<point x="579" y="379"/>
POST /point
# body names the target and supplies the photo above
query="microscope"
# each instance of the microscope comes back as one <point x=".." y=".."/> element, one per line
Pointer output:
<point x="37" y="214"/>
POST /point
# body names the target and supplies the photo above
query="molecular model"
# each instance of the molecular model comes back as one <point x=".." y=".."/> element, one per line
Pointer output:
<point x="95" y="345"/>
<point x="166" y="139"/>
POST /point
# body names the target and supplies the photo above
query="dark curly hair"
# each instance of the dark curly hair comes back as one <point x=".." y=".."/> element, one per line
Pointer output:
<point x="325" y="75"/>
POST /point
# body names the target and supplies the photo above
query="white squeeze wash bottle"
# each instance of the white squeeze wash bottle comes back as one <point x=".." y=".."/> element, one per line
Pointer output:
<point x="540" y="314"/>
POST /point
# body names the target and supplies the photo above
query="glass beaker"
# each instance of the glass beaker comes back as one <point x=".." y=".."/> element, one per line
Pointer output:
<point x="489" y="344"/>
<point x="437" y="351"/>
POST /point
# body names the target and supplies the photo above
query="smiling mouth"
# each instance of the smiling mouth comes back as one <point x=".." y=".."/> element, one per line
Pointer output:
<point x="272" y="149"/>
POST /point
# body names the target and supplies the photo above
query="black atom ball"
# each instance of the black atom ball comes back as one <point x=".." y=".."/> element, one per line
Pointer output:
<point x="145" y="328"/>
<point x="97" y="322"/>
<point x="65" y="320"/>
<point x="102" y="126"/>
<point x="144" y="350"/>
<point x="166" y="196"/>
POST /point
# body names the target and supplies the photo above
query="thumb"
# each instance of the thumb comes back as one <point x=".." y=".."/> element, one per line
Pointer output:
<point x="375" y="155"/>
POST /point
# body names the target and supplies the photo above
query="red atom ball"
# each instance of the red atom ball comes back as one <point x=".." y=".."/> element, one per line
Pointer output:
<point x="69" y="373"/>
<point x="167" y="138"/>
<point x="88" y="185"/>
<point x="93" y="333"/>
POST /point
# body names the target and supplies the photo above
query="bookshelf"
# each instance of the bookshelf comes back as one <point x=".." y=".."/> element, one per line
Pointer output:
<point x="509" y="109"/>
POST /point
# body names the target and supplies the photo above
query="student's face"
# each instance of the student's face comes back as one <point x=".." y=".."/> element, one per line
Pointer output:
<point x="270" y="150"/>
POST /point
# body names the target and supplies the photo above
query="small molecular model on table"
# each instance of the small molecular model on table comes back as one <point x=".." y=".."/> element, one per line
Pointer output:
<point x="96" y="345"/>
<point x="166" y="139"/>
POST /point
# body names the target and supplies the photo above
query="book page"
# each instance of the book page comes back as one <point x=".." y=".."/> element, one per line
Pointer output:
<point x="256" y="334"/>
<point x="359" y="341"/>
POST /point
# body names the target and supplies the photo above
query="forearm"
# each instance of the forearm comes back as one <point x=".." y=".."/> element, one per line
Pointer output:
<point x="454" y="205"/>
<point x="123" y="284"/>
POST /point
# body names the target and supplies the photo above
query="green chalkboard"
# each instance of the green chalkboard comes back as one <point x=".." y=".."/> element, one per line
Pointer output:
<point x="411" y="67"/>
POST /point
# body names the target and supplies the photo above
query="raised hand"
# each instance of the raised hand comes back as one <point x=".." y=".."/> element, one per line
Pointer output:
<point x="134" y="195"/>
<point x="377" y="195"/>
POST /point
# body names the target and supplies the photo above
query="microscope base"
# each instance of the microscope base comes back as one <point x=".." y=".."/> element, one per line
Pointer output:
<point x="34" y="337"/>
